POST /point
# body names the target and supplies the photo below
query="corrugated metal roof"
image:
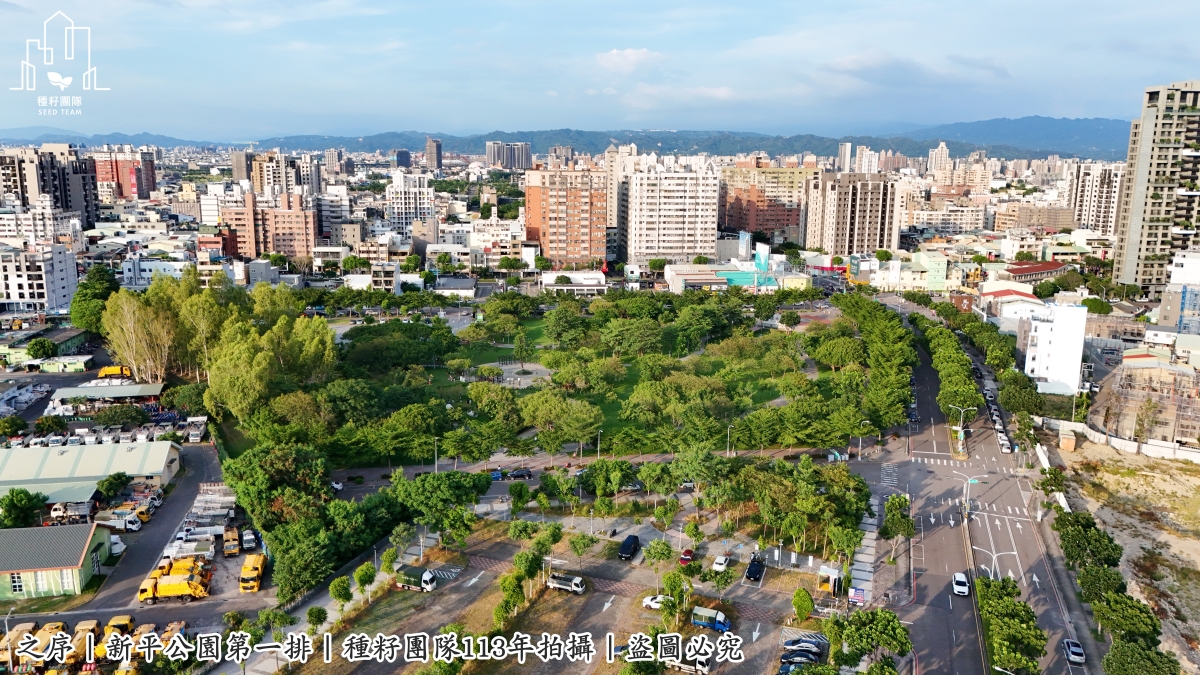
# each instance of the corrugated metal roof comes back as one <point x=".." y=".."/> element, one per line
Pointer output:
<point x="43" y="548"/>
<point x="119" y="391"/>
<point x="27" y="467"/>
<point x="76" y="491"/>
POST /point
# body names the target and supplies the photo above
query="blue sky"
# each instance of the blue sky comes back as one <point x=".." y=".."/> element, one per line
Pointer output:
<point x="247" y="69"/>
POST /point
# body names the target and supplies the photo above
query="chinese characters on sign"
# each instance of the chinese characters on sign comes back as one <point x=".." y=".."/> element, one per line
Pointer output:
<point x="60" y="105"/>
<point x="298" y="647"/>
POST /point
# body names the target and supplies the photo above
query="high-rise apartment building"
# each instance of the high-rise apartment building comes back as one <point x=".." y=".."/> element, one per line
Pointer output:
<point x="333" y="160"/>
<point x="400" y="158"/>
<point x="409" y="198"/>
<point x="433" y="153"/>
<point x="494" y="153"/>
<point x="38" y="279"/>
<point x="851" y="213"/>
<point x="273" y="173"/>
<point x="42" y="223"/>
<point x="939" y="159"/>
<point x="123" y="172"/>
<point x="866" y="161"/>
<point x="566" y="212"/>
<point x="668" y="211"/>
<point x="843" y="158"/>
<point x="309" y="170"/>
<point x="272" y="225"/>
<point x="241" y="161"/>
<point x="1159" y="193"/>
<point x="1095" y="190"/>
<point x="57" y="170"/>
<point x="765" y="199"/>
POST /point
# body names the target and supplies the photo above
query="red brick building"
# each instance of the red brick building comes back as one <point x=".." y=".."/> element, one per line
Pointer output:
<point x="764" y="199"/>
<point x="286" y="228"/>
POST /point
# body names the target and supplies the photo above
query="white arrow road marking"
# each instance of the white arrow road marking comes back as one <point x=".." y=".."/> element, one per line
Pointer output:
<point x="1037" y="582"/>
<point x="1010" y="575"/>
<point x="475" y="579"/>
<point x="951" y="521"/>
<point x="754" y="635"/>
<point x="931" y="519"/>
<point x="608" y="604"/>
<point x="1020" y="528"/>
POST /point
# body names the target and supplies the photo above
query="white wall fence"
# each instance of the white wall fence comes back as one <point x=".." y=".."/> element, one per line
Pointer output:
<point x="1152" y="448"/>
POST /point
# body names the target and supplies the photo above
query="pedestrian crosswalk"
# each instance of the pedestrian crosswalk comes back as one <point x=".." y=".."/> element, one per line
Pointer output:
<point x="955" y="462"/>
<point x="887" y="474"/>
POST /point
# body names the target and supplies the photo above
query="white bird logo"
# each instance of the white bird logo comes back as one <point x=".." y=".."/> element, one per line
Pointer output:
<point x="59" y="81"/>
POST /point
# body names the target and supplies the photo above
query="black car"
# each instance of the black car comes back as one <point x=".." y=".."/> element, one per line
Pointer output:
<point x="758" y="565"/>
<point x="520" y="473"/>
<point x="800" y="644"/>
<point x="799" y="657"/>
<point x="629" y="547"/>
<point x="913" y="416"/>
<point x="790" y="668"/>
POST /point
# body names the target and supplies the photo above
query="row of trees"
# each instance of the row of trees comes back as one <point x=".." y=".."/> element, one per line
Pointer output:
<point x="957" y="388"/>
<point x="1133" y="625"/>
<point x="1014" y="640"/>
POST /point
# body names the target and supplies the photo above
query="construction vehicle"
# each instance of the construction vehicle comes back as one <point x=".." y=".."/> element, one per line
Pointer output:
<point x="121" y="624"/>
<point x="127" y="669"/>
<point x="184" y="565"/>
<point x="252" y="573"/>
<point x="174" y="628"/>
<point x="144" y="629"/>
<point x="115" y="371"/>
<point x="181" y="587"/>
<point x="411" y="578"/>
<point x="232" y="545"/>
<point x="9" y="643"/>
<point x="43" y="641"/>
<point x="79" y="641"/>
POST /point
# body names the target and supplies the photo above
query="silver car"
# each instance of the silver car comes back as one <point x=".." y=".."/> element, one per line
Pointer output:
<point x="1073" y="651"/>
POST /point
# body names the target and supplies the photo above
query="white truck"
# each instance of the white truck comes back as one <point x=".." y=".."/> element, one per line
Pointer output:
<point x="700" y="665"/>
<point x="566" y="582"/>
<point x="79" y="511"/>
<point x="208" y="533"/>
<point x="196" y="426"/>
<point x="119" y="523"/>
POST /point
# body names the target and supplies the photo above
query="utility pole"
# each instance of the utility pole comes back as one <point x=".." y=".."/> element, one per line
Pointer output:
<point x="860" y="424"/>
<point x="728" y="430"/>
<point x="435" y="462"/>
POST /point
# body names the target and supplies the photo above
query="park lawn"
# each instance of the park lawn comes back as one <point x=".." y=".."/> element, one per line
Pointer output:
<point x="384" y="615"/>
<point x="488" y="354"/>
<point x="446" y="388"/>
<point x="535" y="331"/>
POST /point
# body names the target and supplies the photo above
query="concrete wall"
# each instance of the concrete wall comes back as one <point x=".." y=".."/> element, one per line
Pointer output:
<point x="1152" y="448"/>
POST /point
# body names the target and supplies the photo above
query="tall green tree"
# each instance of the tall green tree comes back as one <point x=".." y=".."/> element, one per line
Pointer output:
<point x="20" y="507"/>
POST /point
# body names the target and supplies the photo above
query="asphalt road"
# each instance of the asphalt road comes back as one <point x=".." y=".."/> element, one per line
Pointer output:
<point x="1001" y="533"/>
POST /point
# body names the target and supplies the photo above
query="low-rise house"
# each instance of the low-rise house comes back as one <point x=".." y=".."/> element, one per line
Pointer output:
<point x="38" y="562"/>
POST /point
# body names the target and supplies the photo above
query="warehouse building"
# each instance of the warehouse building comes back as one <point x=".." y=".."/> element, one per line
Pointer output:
<point x="69" y="473"/>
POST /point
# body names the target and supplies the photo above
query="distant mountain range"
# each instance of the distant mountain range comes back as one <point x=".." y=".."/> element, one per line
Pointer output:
<point x="1025" y="137"/>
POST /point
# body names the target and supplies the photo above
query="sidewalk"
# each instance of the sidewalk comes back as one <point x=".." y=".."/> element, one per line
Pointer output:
<point x="1065" y="586"/>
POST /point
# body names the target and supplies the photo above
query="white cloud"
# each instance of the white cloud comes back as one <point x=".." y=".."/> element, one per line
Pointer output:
<point x="626" y="61"/>
<point x="650" y="96"/>
<point x="610" y="91"/>
<point x="551" y="92"/>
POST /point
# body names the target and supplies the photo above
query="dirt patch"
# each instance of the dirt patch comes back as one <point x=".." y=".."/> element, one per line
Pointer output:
<point x="1152" y="509"/>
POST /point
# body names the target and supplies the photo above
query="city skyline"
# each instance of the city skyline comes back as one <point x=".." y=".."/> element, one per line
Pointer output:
<point x="694" y="68"/>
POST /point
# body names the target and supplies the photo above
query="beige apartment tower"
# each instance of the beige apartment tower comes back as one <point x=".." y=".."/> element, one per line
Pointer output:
<point x="566" y="212"/>
<point x="852" y="213"/>
<point x="1157" y="212"/>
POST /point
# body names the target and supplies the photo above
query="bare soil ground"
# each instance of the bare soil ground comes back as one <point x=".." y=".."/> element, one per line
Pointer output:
<point x="1152" y="508"/>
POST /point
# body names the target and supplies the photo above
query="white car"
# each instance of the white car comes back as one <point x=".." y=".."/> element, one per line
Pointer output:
<point x="653" y="602"/>
<point x="337" y="487"/>
<point x="721" y="563"/>
<point x="960" y="584"/>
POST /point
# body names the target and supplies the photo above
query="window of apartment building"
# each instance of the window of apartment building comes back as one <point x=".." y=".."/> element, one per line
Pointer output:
<point x="16" y="583"/>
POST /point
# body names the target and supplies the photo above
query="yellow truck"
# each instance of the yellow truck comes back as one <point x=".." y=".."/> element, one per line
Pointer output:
<point x="252" y="573"/>
<point x="121" y="624"/>
<point x="79" y="641"/>
<point x="174" y="628"/>
<point x="9" y="643"/>
<point x="43" y="641"/>
<point x="196" y="565"/>
<point x="182" y="587"/>
<point x="232" y="545"/>
<point x="141" y="630"/>
<point x="115" y="371"/>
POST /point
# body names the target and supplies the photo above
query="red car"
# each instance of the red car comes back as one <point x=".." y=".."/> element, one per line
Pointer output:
<point x="685" y="557"/>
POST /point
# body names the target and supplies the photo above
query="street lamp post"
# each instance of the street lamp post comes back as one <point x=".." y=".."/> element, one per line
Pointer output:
<point x="860" y="425"/>
<point x="598" y="432"/>
<point x="435" y="462"/>
<point x="962" y="445"/>
<point x="967" y="480"/>
<point x="11" y="647"/>
<point x="729" y="430"/>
